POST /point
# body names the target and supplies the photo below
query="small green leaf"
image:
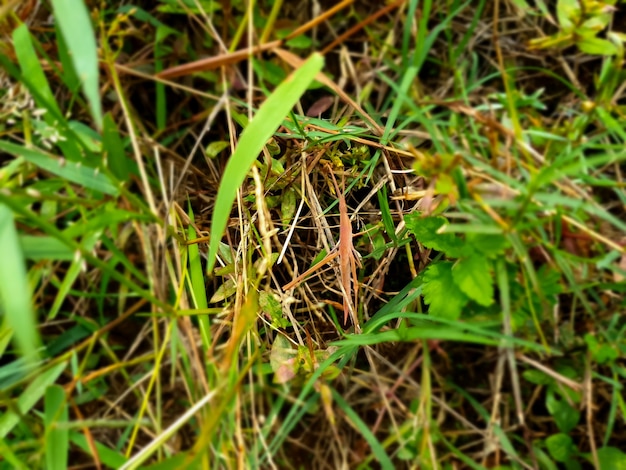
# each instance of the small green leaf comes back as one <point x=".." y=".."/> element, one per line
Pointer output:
<point x="288" y="206"/>
<point x="442" y="293"/>
<point x="537" y="377"/>
<point x="224" y="291"/>
<point x="568" y="13"/>
<point x="561" y="447"/>
<point x="272" y="308"/>
<point x="596" y="46"/>
<point x="254" y="137"/>
<point x="75" y="25"/>
<point x="283" y="360"/>
<point x="214" y="148"/>
<point x="565" y="417"/>
<point x="474" y="277"/>
<point x="601" y="353"/>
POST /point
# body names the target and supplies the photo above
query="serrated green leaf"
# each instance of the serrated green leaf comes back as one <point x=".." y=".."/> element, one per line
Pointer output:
<point x="425" y="231"/>
<point x="441" y="293"/>
<point x="490" y="245"/>
<point x="474" y="277"/>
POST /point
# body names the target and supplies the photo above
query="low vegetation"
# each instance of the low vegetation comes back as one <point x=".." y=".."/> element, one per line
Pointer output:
<point x="313" y="234"/>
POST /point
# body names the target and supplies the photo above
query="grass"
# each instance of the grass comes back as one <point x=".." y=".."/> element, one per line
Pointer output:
<point x="154" y="204"/>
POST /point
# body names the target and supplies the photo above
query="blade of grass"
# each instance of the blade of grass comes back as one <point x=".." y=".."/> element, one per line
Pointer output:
<point x="253" y="138"/>
<point x="29" y="398"/>
<point x="75" y="25"/>
<point x="15" y="293"/>
<point x="29" y="63"/>
<point x="107" y="456"/>
<point x="88" y="177"/>
<point x="364" y="430"/>
<point x="57" y="438"/>
<point x="196" y="283"/>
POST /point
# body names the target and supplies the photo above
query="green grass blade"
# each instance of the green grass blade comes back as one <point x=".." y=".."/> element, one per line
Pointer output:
<point x="29" y="398"/>
<point x="364" y="431"/>
<point x="88" y="177"/>
<point x="15" y="294"/>
<point x="107" y="456"/>
<point x="196" y="283"/>
<point x="37" y="248"/>
<point x="253" y="138"/>
<point x="31" y="67"/>
<point x="57" y="438"/>
<point x="75" y="25"/>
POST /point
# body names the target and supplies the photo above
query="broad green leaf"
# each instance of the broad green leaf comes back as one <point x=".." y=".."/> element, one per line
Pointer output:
<point x="15" y="292"/>
<point x="442" y="293"/>
<point x="57" y="438"/>
<point x="75" y="24"/>
<point x="490" y="245"/>
<point x="29" y="397"/>
<point x="611" y="458"/>
<point x="90" y="178"/>
<point x="253" y="138"/>
<point x="565" y="416"/>
<point x="561" y="447"/>
<point x="474" y="277"/>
